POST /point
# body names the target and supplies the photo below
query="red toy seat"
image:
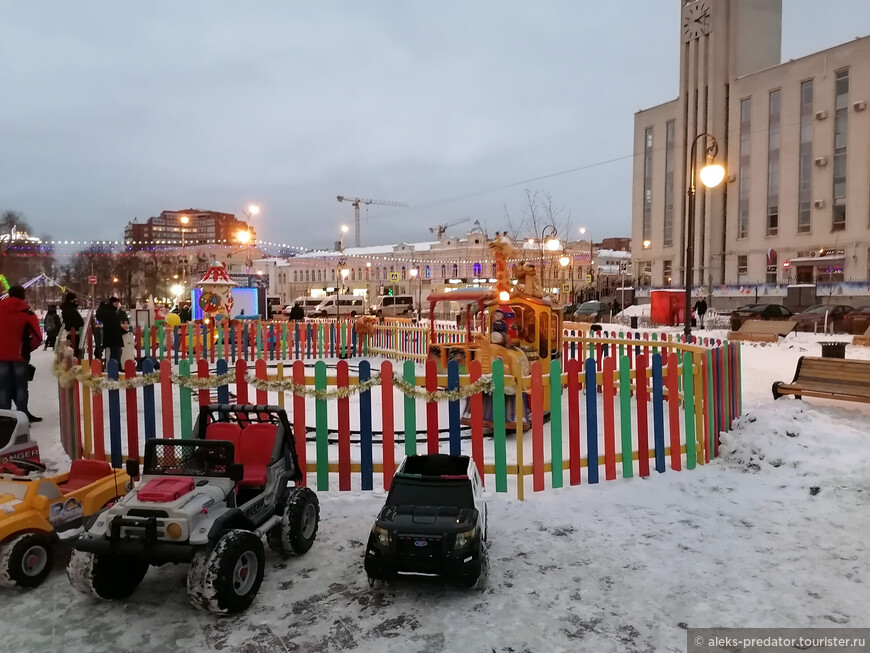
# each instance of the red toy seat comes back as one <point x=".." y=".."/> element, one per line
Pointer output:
<point x="84" y="472"/>
<point x="255" y="453"/>
<point x="225" y="431"/>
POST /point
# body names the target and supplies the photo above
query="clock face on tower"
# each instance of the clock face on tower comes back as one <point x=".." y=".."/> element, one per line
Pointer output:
<point x="696" y="19"/>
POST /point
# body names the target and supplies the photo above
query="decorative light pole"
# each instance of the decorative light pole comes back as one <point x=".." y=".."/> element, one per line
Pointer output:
<point x="565" y="261"/>
<point x="184" y="220"/>
<point x="711" y="176"/>
<point x="549" y="241"/>
<point x="584" y="230"/>
<point x="415" y="273"/>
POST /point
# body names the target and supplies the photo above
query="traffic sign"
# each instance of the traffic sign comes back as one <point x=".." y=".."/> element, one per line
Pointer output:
<point x="394" y="276"/>
<point x="588" y="278"/>
<point x="566" y="287"/>
<point x="92" y="280"/>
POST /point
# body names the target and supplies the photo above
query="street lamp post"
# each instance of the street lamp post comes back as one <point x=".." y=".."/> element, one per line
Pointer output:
<point x="584" y="230"/>
<point x="415" y="273"/>
<point x="184" y="220"/>
<point x="551" y="242"/>
<point x="711" y="175"/>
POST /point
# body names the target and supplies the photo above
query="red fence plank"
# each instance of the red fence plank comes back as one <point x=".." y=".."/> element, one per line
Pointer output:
<point x="537" y="409"/>
<point x="166" y="402"/>
<point x="572" y="369"/>
<point x="431" y="408"/>
<point x="341" y="378"/>
<point x="99" y="421"/>
<point x="132" y="412"/>
<point x="609" y="395"/>
<point x="299" y="429"/>
<point x="674" y="410"/>
<point x="642" y="398"/>
<point x="387" y="426"/>
<point x="476" y="407"/>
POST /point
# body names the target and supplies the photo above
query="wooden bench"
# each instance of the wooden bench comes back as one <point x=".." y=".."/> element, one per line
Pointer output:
<point x="863" y="339"/>
<point x="828" y="378"/>
<point x="763" y="330"/>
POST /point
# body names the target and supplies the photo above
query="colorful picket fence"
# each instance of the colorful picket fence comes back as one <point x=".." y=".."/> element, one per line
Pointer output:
<point x="619" y="406"/>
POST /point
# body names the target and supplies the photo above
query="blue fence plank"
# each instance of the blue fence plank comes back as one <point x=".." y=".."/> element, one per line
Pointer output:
<point x="114" y="416"/>
<point x="223" y="391"/>
<point x="149" y="408"/>
<point x="365" y="429"/>
<point x="591" y="421"/>
<point x="453" y="408"/>
<point x="658" y="412"/>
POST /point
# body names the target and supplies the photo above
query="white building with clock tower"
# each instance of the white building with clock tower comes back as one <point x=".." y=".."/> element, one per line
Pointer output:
<point x="793" y="138"/>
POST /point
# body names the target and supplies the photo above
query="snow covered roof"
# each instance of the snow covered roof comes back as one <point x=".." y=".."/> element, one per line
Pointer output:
<point x="613" y="253"/>
<point x="372" y="250"/>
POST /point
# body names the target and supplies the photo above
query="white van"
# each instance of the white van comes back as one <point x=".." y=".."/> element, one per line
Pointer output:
<point x="308" y="304"/>
<point x="393" y="305"/>
<point x="348" y="306"/>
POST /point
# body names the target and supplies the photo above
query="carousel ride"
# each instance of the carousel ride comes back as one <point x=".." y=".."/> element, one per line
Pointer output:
<point x="514" y="321"/>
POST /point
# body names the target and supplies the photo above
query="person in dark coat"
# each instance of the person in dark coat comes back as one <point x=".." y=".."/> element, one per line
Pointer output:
<point x="114" y="321"/>
<point x="72" y="319"/>
<point x="297" y="312"/>
<point x="99" y="315"/>
<point x="19" y="335"/>
<point x="700" y="309"/>
<point x="184" y="314"/>
<point x="51" y="324"/>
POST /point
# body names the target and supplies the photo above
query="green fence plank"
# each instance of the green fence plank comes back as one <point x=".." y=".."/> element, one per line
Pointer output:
<point x="625" y="414"/>
<point x="184" y="400"/>
<point x="726" y="385"/>
<point x="499" y="432"/>
<point x="556" y="421"/>
<point x="689" y="410"/>
<point x="711" y="414"/>
<point x="409" y="375"/>
<point x="321" y="426"/>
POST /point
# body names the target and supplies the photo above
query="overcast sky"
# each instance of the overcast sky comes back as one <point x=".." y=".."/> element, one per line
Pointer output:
<point x="112" y="110"/>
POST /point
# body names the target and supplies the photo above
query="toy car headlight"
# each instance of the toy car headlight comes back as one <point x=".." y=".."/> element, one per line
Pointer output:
<point x="174" y="530"/>
<point x="383" y="535"/>
<point x="464" y="539"/>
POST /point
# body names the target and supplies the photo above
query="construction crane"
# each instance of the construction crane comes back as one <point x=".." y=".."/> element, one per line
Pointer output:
<point x="356" y="201"/>
<point x="441" y="229"/>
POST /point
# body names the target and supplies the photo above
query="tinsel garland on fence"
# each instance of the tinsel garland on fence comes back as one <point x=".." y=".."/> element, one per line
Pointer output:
<point x="66" y="376"/>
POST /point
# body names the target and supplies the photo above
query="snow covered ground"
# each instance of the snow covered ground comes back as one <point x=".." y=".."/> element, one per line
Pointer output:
<point x="772" y="534"/>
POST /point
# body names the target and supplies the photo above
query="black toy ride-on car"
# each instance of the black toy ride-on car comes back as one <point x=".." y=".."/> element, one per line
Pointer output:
<point x="434" y="522"/>
<point x="207" y="500"/>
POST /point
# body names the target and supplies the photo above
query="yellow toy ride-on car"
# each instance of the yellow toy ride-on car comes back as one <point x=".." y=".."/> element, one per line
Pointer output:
<point x="36" y="512"/>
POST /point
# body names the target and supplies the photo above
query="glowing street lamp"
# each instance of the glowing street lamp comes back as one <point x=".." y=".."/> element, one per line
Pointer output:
<point x="344" y="230"/>
<point x="711" y="176"/>
<point x="243" y="236"/>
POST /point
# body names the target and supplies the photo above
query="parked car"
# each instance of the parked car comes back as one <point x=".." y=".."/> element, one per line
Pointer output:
<point x="341" y="306"/>
<point x="822" y="316"/>
<point x="434" y="522"/>
<point x="393" y="305"/>
<point x="857" y="321"/>
<point x="758" y="312"/>
<point x="593" y="311"/>
<point x="307" y="303"/>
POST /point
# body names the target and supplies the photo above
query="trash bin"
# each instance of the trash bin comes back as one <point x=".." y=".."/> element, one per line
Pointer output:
<point x="633" y="320"/>
<point x="833" y="349"/>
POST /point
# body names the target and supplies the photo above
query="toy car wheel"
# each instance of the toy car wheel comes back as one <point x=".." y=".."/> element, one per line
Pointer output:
<point x="299" y="521"/>
<point x="105" y="576"/>
<point x="25" y="561"/>
<point x="226" y="577"/>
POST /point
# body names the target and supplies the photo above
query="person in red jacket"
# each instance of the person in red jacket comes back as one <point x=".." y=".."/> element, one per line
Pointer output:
<point x="19" y="335"/>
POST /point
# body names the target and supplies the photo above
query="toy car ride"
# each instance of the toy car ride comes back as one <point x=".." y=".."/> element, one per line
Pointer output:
<point x="208" y="501"/>
<point x="15" y="442"/>
<point x="36" y="512"/>
<point x="434" y="522"/>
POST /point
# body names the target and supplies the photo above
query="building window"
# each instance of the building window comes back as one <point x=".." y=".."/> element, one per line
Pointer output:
<point x="455" y="270"/>
<point x="476" y="269"/>
<point x="647" y="182"/>
<point x="666" y="273"/>
<point x="307" y="276"/>
<point x="743" y="168"/>
<point x="404" y="273"/>
<point x="443" y="271"/>
<point x="841" y="117"/>
<point x="742" y="268"/>
<point x="427" y="272"/>
<point x="668" y="228"/>
<point x="772" y="259"/>
<point x="295" y="275"/>
<point x="773" y="140"/>
<point x="805" y="160"/>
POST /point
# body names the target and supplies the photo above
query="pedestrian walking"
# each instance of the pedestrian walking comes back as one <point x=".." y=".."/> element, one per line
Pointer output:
<point x="20" y="334"/>
<point x="114" y="321"/>
<point x="700" y="309"/>
<point x="51" y="324"/>
<point x="72" y="321"/>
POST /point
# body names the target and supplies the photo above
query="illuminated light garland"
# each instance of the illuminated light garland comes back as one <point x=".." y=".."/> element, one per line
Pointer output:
<point x="77" y="373"/>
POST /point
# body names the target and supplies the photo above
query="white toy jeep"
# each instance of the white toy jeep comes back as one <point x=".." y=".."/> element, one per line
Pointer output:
<point x="207" y="500"/>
